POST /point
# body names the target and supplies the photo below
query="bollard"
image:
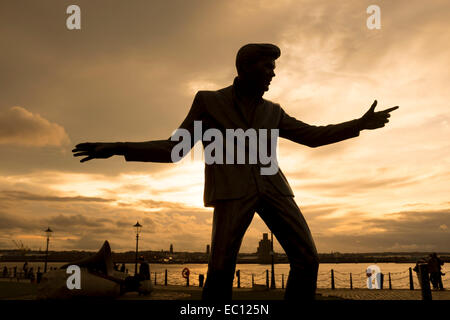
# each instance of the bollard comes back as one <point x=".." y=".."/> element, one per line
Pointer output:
<point x="267" y="278"/>
<point x="411" y="282"/>
<point x="332" y="279"/>
<point x="351" y="281"/>
<point x="238" y="275"/>
<point x="165" y="278"/>
<point x="155" y="278"/>
<point x="282" y="281"/>
<point x="390" y="283"/>
<point x="424" y="282"/>
<point x="253" y="280"/>
<point x="201" y="278"/>
<point x="381" y="280"/>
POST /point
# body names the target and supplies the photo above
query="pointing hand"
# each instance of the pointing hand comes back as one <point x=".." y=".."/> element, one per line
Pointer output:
<point x="374" y="120"/>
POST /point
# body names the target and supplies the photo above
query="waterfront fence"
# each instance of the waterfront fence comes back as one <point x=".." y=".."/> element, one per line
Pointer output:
<point x="332" y="279"/>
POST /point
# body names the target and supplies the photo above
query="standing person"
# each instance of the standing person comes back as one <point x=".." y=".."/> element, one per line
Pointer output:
<point x="25" y="269"/>
<point x="31" y="275"/>
<point x="5" y="272"/>
<point x="434" y="268"/>
<point x="237" y="190"/>
<point x="144" y="269"/>
<point x="38" y="275"/>
<point x="122" y="268"/>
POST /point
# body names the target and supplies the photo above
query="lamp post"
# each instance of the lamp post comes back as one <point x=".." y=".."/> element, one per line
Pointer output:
<point x="138" y="230"/>
<point x="272" y="280"/>
<point x="48" y="233"/>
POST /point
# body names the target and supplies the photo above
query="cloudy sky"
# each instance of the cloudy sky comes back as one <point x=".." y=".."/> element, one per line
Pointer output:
<point x="131" y="72"/>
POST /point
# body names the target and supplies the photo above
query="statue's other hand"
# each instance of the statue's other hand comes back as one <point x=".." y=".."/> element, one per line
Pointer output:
<point x="374" y="120"/>
<point x="94" y="150"/>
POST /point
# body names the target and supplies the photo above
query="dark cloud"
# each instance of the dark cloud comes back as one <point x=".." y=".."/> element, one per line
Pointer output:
<point x="73" y="221"/>
<point x="10" y="222"/>
<point x="406" y="230"/>
<point x="343" y="187"/>
<point x="400" y="231"/>
<point x="18" y="126"/>
<point x="89" y="242"/>
<point x="168" y="205"/>
<point x="23" y="195"/>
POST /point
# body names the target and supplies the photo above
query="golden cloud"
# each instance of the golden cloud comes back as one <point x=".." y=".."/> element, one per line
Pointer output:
<point x="21" y="127"/>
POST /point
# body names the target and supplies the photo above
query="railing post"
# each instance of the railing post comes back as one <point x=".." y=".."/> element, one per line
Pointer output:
<point x="238" y="274"/>
<point x="390" y="282"/>
<point x="424" y="282"/>
<point x="381" y="280"/>
<point x="201" y="278"/>
<point x="332" y="279"/>
<point x="351" y="281"/>
<point x="411" y="282"/>
<point x="165" y="278"/>
<point x="187" y="280"/>
<point x="253" y="280"/>
<point x="282" y="281"/>
<point x="155" y="278"/>
<point x="267" y="278"/>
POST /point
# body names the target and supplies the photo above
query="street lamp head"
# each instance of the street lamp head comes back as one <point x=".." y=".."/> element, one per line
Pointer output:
<point x="48" y="232"/>
<point x="138" y="227"/>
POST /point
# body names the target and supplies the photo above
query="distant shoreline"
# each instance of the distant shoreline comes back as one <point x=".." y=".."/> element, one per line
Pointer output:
<point x="166" y="257"/>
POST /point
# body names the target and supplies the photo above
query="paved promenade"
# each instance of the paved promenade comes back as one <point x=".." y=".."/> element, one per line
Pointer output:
<point x="367" y="294"/>
<point x="194" y="293"/>
<point x="27" y="291"/>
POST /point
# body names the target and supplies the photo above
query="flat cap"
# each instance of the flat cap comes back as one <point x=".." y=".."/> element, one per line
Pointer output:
<point x="253" y="51"/>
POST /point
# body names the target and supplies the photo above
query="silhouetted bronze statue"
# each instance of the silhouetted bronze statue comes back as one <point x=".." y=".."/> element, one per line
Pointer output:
<point x="237" y="191"/>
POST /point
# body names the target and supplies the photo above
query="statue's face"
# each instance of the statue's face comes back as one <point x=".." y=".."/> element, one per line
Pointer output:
<point x="260" y="74"/>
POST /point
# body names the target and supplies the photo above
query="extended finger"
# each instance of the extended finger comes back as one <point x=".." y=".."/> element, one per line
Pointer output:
<point x="374" y="104"/>
<point x="79" y="154"/>
<point x="86" y="159"/>
<point x="390" y="109"/>
<point x="85" y="145"/>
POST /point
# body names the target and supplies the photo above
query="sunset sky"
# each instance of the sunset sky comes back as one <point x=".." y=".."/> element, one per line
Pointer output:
<point x="130" y="74"/>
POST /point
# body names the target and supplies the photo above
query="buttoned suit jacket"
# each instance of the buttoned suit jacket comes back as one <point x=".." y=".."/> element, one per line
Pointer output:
<point x="219" y="110"/>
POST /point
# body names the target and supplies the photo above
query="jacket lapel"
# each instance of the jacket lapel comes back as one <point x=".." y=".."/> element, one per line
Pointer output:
<point x="232" y="110"/>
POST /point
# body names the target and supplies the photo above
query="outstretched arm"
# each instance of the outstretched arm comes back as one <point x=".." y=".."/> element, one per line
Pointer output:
<point x="148" y="151"/>
<point x="315" y="136"/>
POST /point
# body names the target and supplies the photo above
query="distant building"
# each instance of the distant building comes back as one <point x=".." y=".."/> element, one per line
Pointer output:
<point x="207" y="249"/>
<point x="171" y="249"/>
<point x="264" y="249"/>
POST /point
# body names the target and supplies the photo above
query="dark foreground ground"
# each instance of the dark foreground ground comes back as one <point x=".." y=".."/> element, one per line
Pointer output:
<point x="12" y="290"/>
<point x="27" y="291"/>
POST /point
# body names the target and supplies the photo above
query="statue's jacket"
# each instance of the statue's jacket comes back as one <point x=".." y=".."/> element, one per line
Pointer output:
<point x="221" y="110"/>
